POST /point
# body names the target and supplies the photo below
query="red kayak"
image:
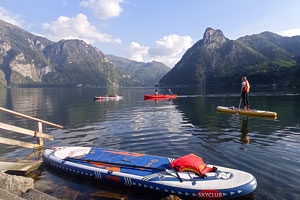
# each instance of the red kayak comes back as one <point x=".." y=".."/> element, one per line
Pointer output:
<point x="159" y="96"/>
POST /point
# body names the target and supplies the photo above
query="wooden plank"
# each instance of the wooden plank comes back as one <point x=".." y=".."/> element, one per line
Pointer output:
<point x="29" y="156"/>
<point x="20" y="165"/>
<point x="29" y="117"/>
<point x="36" y="152"/>
<point x="40" y="130"/>
<point x="19" y="143"/>
<point x="25" y="131"/>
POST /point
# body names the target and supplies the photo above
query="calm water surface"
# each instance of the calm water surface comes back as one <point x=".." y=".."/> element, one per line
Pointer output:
<point x="268" y="149"/>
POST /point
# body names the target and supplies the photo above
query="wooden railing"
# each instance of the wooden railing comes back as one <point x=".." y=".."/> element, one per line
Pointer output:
<point x="38" y="134"/>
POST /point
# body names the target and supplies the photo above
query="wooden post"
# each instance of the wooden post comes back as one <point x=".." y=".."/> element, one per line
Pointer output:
<point x="40" y="130"/>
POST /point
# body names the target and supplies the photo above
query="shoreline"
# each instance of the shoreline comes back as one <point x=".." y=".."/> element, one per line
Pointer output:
<point x="18" y="187"/>
<point x="14" y="187"/>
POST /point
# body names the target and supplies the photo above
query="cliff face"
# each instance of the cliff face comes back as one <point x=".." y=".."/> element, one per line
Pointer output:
<point x="29" y="60"/>
<point x="216" y="61"/>
<point x="75" y="61"/>
<point x="21" y="55"/>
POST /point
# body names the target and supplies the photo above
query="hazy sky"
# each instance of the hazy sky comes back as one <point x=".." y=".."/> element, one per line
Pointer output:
<point x="146" y="30"/>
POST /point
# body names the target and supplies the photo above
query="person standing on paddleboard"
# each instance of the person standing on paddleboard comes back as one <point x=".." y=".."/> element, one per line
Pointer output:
<point x="245" y="89"/>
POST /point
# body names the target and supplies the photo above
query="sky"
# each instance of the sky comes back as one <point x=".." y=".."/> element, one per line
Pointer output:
<point x="147" y="30"/>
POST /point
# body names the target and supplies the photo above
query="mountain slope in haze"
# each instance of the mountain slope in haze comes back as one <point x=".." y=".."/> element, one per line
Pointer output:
<point x="265" y="58"/>
<point x="145" y="74"/>
<point x="30" y="60"/>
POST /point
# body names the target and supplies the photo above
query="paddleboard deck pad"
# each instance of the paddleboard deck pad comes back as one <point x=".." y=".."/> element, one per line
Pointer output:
<point x="92" y="162"/>
<point x="234" y="110"/>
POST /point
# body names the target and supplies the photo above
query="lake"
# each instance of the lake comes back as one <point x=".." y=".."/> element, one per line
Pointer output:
<point x="267" y="148"/>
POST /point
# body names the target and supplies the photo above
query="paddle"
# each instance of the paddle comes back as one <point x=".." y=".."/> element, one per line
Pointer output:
<point x="116" y="164"/>
<point x="123" y="165"/>
<point x="240" y="102"/>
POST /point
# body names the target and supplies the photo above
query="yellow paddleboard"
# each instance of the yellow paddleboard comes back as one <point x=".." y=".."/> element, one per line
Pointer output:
<point x="234" y="110"/>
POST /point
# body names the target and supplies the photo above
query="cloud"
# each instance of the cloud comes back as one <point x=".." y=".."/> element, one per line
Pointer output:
<point x="171" y="45"/>
<point x="77" y="27"/>
<point x="137" y="52"/>
<point x="104" y="9"/>
<point x="168" y="50"/>
<point x="290" y="32"/>
<point x="10" y="18"/>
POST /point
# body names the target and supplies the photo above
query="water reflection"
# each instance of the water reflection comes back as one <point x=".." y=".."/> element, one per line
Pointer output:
<point x="157" y="101"/>
<point x="244" y="130"/>
<point x="189" y="124"/>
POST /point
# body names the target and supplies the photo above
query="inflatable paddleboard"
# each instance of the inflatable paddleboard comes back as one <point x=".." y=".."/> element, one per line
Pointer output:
<point x="234" y="110"/>
<point x="127" y="168"/>
<point x="174" y="96"/>
<point x="107" y="97"/>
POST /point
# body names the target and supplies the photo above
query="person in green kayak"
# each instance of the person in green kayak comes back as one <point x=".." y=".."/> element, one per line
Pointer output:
<point x="245" y="89"/>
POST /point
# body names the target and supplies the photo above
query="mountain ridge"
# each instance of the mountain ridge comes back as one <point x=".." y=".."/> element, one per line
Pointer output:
<point x="30" y="60"/>
<point x="266" y="58"/>
<point x="142" y="73"/>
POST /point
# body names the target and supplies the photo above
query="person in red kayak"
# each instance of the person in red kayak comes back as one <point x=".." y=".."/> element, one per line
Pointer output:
<point x="245" y="89"/>
<point x="155" y="92"/>
<point x="170" y="92"/>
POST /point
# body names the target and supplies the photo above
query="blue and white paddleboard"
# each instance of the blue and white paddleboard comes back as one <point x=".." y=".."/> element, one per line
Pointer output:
<point x="126" y="168"/>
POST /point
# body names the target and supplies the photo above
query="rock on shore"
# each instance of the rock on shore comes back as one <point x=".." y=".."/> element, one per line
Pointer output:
<point x="14" y="187"/>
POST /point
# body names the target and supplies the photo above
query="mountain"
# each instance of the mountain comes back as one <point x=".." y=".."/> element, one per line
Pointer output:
<point x="30" y="60"/>
<point x="21" y="55"/>
<point x="144" y="74"/>
<point x="265" y="58"/>
<point x="76" y="62"/>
